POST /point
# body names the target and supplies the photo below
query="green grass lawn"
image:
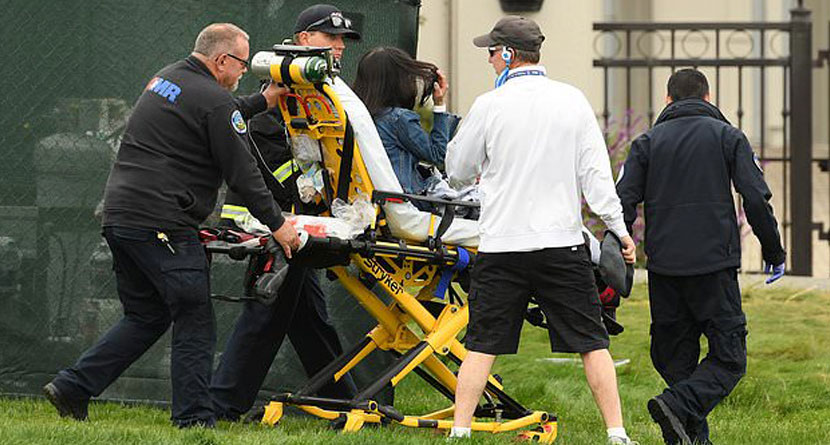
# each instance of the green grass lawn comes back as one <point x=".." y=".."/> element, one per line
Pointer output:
<point x="784" y="399"/>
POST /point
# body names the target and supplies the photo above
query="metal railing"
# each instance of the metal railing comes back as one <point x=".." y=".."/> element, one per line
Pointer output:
<point x="739" y="47"/>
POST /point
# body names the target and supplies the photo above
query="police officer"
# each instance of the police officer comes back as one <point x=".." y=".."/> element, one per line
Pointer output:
<point x="186" y="134"/>
<point x="301" y="309"/>
<point x="683" y="170"/>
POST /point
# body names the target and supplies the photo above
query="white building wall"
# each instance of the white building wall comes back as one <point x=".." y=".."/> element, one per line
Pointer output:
<point x="448" y="27"/>
<point x="566" y="52"/>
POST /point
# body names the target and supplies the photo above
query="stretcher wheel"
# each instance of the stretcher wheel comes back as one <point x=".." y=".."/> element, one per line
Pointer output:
<point x="354" y="422"/>
<point x="545" y="433"/>
<point x="348" y="422"/>
<point x="273" y="414"/>
<point x="338" y="423"/>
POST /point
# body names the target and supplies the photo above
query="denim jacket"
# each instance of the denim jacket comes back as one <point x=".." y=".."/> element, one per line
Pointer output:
<point x="407" y="143"/>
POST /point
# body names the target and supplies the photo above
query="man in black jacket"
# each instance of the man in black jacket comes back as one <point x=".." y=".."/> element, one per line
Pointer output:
<point x="185" y="136"/>
<point x="300" y="312"/>
<point x="683" y="170"/>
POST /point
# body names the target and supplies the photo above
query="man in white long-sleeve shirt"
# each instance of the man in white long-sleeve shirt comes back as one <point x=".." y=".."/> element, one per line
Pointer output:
<point x="537" y="148"/>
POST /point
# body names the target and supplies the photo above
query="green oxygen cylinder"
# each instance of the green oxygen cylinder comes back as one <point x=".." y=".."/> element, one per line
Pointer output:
<point x="301" y="70"/>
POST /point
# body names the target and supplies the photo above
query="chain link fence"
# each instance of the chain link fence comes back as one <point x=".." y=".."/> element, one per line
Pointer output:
<point x="73" y="70"/>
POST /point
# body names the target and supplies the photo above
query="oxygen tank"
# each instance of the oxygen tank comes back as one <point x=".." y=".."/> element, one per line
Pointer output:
<point x="303" y="69"/>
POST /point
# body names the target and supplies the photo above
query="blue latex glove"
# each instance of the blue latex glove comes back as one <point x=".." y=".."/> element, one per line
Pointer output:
<point x="775" y="272"/>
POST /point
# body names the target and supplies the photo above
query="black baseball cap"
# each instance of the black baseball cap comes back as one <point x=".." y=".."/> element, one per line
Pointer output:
<point x="325" y="18"/>
<point x="514" y="31"/>
<point x="613" y="269"/>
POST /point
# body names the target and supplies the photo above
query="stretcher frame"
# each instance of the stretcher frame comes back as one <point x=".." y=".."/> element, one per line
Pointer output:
<point x="419" y="331"/>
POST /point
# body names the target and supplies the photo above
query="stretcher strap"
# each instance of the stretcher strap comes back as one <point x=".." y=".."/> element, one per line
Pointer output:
<point x="346" y="157"/>
<point x="460" y="264"/>
<point x="285" y="70"/>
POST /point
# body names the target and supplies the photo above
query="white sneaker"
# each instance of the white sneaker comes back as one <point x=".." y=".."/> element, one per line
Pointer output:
<point x="455" y="435"/>
<point x="615" y="440"/>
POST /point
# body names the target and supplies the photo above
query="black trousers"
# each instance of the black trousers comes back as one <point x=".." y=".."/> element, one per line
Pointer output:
<point x="156" y="287"/>
<point x="315" y="339"/>
<point x="299" y="312"/>
<point x="682" y="309"/>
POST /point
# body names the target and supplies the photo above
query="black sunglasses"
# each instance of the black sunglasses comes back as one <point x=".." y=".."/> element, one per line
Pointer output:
<point x="337" y="21"/>
<point x="238" y="59"/>
<point x="493" y="50"/>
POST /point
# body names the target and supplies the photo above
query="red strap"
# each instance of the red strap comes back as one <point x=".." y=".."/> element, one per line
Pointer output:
<point x="208" y="235"/>
<point x="607" y="295"/>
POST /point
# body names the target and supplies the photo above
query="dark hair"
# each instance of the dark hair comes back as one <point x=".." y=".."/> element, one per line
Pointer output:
<point x="388" y="77"/>
<point x="687" y="83"/>
<point x="527" y="56"/>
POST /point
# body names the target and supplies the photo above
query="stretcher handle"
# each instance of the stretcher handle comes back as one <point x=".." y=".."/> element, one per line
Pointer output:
<point x="381" y="197"/>
<point x="237" y="253"/>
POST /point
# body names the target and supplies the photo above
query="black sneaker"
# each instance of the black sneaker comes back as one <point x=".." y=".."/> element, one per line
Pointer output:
<point x="74" y="408"/>
<point x="255" y="415"/>
<point x="695" y="435"/>
<point x="672" y="428"/>
<point x="195" y="423"/>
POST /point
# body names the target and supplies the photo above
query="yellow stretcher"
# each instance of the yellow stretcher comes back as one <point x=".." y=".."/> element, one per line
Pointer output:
<point x="422" y="333"/>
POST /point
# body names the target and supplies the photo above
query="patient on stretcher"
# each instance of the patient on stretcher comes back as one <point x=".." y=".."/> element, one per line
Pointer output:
<point x="393" y="85"/>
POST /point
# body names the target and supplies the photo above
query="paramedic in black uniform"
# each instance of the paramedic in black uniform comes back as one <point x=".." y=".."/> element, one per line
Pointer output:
<point x="186" y="134"/>
<point x="260" y="330"/>
<point x="683" y="171"/>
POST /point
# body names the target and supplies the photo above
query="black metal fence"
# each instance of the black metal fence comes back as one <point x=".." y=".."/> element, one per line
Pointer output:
<point x="778" y="57"/>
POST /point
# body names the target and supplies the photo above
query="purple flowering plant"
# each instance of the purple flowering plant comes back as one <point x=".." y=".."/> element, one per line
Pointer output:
<point x="619" y="133"/>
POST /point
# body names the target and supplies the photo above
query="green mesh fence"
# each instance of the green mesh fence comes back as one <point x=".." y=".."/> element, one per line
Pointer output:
<point x="72" y="71"/>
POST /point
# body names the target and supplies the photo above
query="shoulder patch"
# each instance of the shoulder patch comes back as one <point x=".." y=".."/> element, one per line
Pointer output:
<point x="757" y="161"/>
<point x="238" y="123"/>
